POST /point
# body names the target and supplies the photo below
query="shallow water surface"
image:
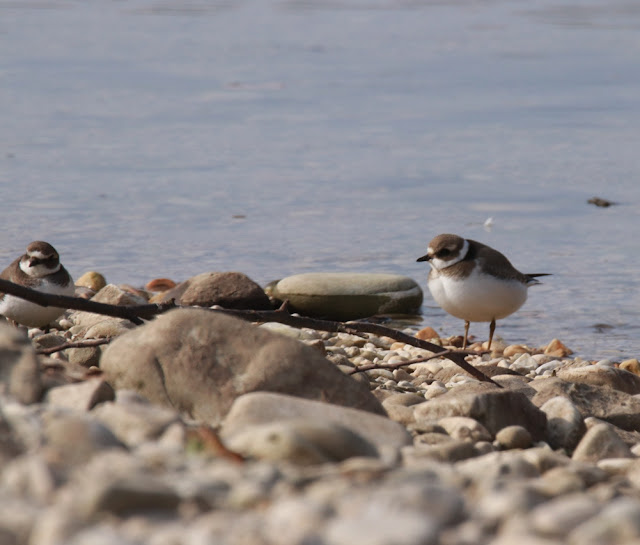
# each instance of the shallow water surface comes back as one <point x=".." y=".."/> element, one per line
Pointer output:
<point x="165" y="138"/>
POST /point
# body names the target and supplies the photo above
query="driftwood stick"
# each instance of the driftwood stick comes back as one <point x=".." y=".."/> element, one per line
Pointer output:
<point x="283" y="316"/>
<point x="136" y="313"/>
<point x="399" y="364"/>
<point x="133" y="313"/>
<point x="77" y="344"/>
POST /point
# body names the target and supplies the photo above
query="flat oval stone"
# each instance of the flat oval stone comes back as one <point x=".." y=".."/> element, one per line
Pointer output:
<point x="348" y="296"/>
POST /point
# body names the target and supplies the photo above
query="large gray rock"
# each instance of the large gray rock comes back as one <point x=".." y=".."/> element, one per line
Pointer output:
<point x="301" y="442"/>
<point x="10" y="444"/>
<point x="348" y="296"/>
<point x="227" y="289"/>
<point x="565" y="425"/>
<point x="617" y="522"/>
<point x="262" y="408"/>
<point x="93" y="326"/>
<point x="614" y="406"/>
<point x="74" y="437"/>
<point x="19" y="368"/>
<point x="600" y="442"/>
<point x="81" y="396"/>
<point x="133" y="419"/>
<point x="494" y="408"/>
<point x="199" y="362"/>
<point x="597" y="375"/>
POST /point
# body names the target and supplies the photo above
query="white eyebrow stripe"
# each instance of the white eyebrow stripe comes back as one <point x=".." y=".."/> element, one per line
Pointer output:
<point x="38" y="254"/>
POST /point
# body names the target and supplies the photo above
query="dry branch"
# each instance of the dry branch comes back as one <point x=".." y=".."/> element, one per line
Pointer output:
<point x="136" y="313"/>
<point x="283" y="316"/>
<point x="133" y="313"/>
<point x="398" y="364"/>
<point x="87" y="343"/>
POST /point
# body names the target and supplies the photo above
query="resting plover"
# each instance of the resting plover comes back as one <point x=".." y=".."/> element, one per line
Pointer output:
<point x="474" y="282"/>
<point x="39" y="269"/>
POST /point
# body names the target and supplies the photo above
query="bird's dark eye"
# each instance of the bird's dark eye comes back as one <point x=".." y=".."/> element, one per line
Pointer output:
<point x="443" y="253"/>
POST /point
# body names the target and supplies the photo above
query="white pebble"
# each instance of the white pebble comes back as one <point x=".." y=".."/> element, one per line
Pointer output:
<point x="335" y="350"/>
<point x="426" y="368"/>
<point x="351" y="351"/>
<point x="419" y="352"/>
<point x="369" y="354"/>
<point x="541" y="358"/>
<point x="344" y="339"/>
<point x="396" y="359"/>
<point x="380" y="373"/>
<point x="549" y="367"/>
<point x="359" y="360"/>
<point x="405" y="354"/>
<point x="524" y="364"/>
<point x="457" y="380"/>
<point x="435" y="389"/>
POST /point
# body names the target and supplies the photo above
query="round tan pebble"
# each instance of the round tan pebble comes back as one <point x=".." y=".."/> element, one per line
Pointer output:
<point x="317" y="344"/>
<point x="514" y="349"/>
<point x="427" y="333"/>
<point x="557" y="349"/>
<point x="160" y="284"/>
<point x="397" y="346"/>
<point x="393" y="359"/>
<point x="335" y="350"/>
<point x="513" y="437"/>
<point x="435" y="389"/>
<point x="457" y="341"/>
<point x="386" y="341"/>
<point x="497" y="346"/>
<point x="92" y="280"/>
<point x="143" y="295"/>
<point x="632" y="365"/>
<point x="350" y="351"/>
<point x="541" y="358"/>
<point x="358" y="360"/>
<point x="401" y="374"/>
<point x="83" y="293"/>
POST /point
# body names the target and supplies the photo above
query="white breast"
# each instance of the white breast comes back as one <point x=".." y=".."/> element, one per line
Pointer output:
<point x="479" y="297"/>
<point x="32" y="315"/>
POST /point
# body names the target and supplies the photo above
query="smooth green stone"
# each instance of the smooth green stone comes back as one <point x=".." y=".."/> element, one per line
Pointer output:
<point x="348" y="296"/>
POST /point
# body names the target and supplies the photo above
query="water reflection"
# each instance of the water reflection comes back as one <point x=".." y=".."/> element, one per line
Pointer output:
<point x="283" y="137"/>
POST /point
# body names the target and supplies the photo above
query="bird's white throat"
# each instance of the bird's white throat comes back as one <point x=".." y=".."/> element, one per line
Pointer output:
<point x="38" y="271"/>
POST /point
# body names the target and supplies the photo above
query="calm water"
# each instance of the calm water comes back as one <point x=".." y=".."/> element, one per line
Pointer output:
<point x="166" y="138"/>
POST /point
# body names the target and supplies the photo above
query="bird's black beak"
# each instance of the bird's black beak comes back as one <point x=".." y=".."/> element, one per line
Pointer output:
<point x="424" y="258"/>
<point x="33" y="261"/>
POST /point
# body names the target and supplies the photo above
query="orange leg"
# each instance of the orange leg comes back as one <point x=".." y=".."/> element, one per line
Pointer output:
<point x="466" y="334"/>
<point x="492" y="328"/>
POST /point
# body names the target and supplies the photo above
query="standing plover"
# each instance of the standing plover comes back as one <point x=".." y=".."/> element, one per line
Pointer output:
<point x="39" y="269"/>
<point x="474" y="282"/>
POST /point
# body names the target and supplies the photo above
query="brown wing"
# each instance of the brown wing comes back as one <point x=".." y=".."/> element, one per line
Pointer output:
<point x="9" y="273"/>
<point x="494" y="262"/>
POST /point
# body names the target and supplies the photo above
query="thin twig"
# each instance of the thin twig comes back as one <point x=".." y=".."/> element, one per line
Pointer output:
<point x="74" y="344"/>
<point x="284" y="317"/>
<point x="135" y="314"/>
<point x="398" y="364"/>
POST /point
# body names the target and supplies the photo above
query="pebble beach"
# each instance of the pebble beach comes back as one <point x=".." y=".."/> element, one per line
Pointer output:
<point x="292" y="445"/>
